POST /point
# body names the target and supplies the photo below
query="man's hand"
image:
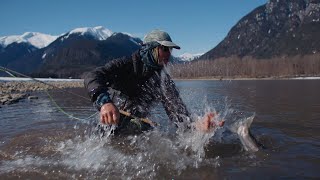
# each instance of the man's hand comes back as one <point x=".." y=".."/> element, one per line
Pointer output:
<point x="207" y="123"/>
<point x="109" y="114"/>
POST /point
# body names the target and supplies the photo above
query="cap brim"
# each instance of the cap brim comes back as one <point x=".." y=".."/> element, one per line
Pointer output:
<point x="169" y="44"/>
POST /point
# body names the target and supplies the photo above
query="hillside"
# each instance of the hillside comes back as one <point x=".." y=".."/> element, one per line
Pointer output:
<point x="278" y="28"/>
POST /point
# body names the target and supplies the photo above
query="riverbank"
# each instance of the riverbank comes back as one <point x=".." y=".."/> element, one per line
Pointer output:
<point x="14" y="91"/>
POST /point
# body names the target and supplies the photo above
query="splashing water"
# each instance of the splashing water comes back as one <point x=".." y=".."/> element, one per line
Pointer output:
<point x="147" y="155"/>
<point x="143" y="155"/>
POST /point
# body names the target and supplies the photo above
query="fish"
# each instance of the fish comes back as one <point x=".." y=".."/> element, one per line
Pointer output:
<point x="242" y="129"/>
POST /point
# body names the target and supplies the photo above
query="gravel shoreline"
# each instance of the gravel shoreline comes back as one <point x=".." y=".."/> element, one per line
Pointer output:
<point x="14" y="91"/>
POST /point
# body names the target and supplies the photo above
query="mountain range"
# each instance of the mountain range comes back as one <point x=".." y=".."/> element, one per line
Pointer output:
<point x="70" y="54"/>
<point x="67" y="55"/>
<point x="278" y="28"/>
<point x="35" y="39"/>
<point x="186" y="57"/>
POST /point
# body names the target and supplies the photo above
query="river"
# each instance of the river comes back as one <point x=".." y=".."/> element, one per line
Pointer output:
<point x="38" y="141"/>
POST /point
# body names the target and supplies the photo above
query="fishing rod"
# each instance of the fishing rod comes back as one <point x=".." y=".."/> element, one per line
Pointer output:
<point x="9" y="71"/>
<point x="145" y="120"/>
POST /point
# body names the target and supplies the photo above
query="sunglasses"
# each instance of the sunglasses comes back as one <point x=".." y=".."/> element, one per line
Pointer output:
<point x="166" y="48"/>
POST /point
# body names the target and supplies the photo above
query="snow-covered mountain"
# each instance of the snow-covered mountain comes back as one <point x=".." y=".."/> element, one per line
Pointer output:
<point x="78" y="53"/>
<point x="35" y="39"/>
<point x="85" y="47"/>
<point x="189" y="56"/>
<point x="40" y="40"/>
<point x="99" y="32"/>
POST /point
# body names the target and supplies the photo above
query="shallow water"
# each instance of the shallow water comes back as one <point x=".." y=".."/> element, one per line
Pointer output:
<point x="38" y="141"/>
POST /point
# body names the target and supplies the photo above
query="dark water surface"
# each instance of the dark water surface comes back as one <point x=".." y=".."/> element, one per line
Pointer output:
<point x="37" y="141"/>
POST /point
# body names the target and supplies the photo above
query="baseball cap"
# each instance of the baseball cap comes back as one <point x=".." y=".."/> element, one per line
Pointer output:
<point x="161" y="37"/>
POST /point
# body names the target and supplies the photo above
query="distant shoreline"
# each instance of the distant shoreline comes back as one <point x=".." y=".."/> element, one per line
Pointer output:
<point x="240" y="79"/>
<point x="53" y="80"/>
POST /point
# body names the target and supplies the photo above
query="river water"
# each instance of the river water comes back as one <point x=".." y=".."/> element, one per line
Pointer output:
<point x="38" y="141"/>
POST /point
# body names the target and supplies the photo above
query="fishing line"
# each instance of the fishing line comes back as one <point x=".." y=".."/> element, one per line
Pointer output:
<point x="9" y="71"/>
<point x="51" y="85"/>
<point x="67" y="114"/>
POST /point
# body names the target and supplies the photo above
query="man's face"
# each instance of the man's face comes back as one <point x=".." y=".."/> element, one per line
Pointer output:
<point x="164" y="54"/>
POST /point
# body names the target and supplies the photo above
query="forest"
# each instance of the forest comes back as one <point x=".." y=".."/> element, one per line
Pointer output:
<point x="248" y="67"/>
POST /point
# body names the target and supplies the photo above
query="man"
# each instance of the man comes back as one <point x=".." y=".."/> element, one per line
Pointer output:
<point x="133" y="84"/>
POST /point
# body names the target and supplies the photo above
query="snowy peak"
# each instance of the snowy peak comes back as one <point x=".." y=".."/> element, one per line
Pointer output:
<point x="36" y="39"/>
<point x="189" y="56"/>
<point x="40" y="40"/>
<point x="99" y="32"/>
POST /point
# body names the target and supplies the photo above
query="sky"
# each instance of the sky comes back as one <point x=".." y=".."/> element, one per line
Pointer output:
<point x="197" y="26"/>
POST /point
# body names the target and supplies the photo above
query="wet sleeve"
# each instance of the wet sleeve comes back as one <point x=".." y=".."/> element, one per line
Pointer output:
<point x="173" y="104"/>
<point x="99" y="80"/>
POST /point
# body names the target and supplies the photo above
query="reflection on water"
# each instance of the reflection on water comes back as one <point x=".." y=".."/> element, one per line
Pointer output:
<point x="38" y="141"/>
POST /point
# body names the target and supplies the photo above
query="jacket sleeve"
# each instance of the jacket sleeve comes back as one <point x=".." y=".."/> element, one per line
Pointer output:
<point x="98" y="80"/>
<point x="173" y="104"/>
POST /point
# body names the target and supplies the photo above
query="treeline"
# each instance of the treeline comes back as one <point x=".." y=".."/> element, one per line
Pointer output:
<point x="66" y="71"/>
<point x="248" y="67"/>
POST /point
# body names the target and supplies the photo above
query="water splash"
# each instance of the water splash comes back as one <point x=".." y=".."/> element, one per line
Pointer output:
<point x="160" y="152"/>
<point x="135" y="156"/>
<point x="148" y="155"/>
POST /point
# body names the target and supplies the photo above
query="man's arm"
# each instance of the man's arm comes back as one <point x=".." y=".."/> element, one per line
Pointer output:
<point x="173" y="104"/>
<point x="97" y="83"/>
